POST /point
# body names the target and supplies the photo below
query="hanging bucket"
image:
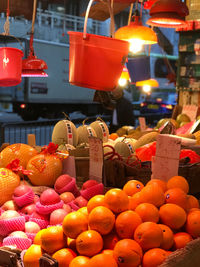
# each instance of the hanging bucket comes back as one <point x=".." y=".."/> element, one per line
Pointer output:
<point x="10" y="66"/>
<point x="95" y="61"/>
<point x="139" y="68"/>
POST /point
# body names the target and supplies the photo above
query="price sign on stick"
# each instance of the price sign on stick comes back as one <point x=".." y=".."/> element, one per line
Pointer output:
<point x="96" y="158"/>
<point x="166" y="162"/>
<point x="142" y="123"/>
<point x="191" y="111"/>
<point x="69" y="166"/>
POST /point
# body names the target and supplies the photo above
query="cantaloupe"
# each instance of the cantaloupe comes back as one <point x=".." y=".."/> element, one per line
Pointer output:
<point x="145" y="139"/>
<point x="84" y="131"/>
<point x="125" y="147"/>
<point x="107" y="147"/>
<point x="101" y="129"/>
<point x="65" y="132"/>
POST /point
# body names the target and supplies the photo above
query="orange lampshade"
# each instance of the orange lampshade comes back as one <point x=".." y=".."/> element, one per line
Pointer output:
<point x="150" y="82"/>
<point x="124" y="77"/>
<point x="168" y="13"/>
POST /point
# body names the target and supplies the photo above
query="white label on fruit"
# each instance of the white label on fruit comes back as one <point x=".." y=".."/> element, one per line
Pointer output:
<point x="103" y="129"/>
<point x="69" y="133"/>
<point x="129" y="145"/>
<point x="191" y="111"/>
<point x="90" y="131"/>
<point x="142" y="123"/>
<point x="96" y="158"/>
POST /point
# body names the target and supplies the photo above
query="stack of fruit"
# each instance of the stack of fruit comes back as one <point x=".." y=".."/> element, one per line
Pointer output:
<point x="137" y="226"/>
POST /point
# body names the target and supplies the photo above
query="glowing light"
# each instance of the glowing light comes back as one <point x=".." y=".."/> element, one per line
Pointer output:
<point x="122" y="82"/>
<point x="136" y="45"/>
<point x="146" y="88"/>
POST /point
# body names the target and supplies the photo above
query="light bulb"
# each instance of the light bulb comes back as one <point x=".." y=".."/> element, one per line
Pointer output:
<point x="122" y="82"/>
<point x="136" y="45"/>
<point x="146" y="88"/>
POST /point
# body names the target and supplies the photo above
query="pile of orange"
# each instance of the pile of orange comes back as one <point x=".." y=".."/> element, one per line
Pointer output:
<point x="136" y="226"/>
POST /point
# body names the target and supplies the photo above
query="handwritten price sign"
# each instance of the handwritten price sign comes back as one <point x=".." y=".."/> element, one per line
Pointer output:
<point x="142" y="123"/>
<point x="96" y="158"/>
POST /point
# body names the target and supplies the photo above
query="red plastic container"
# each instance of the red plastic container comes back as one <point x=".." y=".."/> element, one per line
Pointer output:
<point x="10" y="66"/>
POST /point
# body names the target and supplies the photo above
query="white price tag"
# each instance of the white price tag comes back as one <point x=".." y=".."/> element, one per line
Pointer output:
<point x="191" y="111"/>
<point x="96" y="158"/>
<point x="142" y="123"/>
<point x="168" y="146"/>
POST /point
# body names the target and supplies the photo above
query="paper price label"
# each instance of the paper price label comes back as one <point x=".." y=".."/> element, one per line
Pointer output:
<point x="96" y="158"/>
<point x="142" y="123"/>
<point x="168" y="146"/>
<point x="191" y="111"/>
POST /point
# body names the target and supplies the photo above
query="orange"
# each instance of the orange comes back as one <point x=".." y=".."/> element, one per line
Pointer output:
<point x="23" y="152"/>
<point x="127" y="253"/>
<point x="176" y="196"/>
<point x="84" y="211"/>
<point x="102" y="260"/>
<point x="192" y="202"/>
<point x="153" y="194"/>
<point x="79" y="261"/>
<point x="96" y="201"/>
<point x="37" y="238"/>
<point x="102" y="220"/>
<point x="193" y="223"/>
<point x="53" y="239"/>
<point x="181" y="239"/>
<point x="64" y="256"/>
<point x="147" y="212"/>
<point x="113" y="136"/>
<point x="178" y="181"/>
<point x="148" y="235"/>
<point x="159" y="182"/>
<point x="109" y="241"/>
<point x="89" y="243"/>
<point x="154" y="257"/>
<point x="117" y="200"/>
<point x="135" y="200"/>
<point x="74" y="223"/>
<point x="132" y="187"/>
<point x="108" y="252"/>
<point x="126" y="223"/>
<point x="32" y="256"/>
<point x="168" y="237"/>
<point x="172" y="215"/>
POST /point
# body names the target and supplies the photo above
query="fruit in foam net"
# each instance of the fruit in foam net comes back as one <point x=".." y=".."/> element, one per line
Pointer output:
<point x="32" y="227"/>
<point x="39" y="216"/>
<point x="89" y="183"/>
<point x="9" y="205"/>
<point x="29" y="209"/>
<point x="81" y="201"/>
<point x="49" y="197"/>
<point x="57" y="216"/>
<point x="20" y="234"/>
<point x="62" y="180"/>
<point x="9" y="214"/>
<point x="67" y="197"/>
<point x="21" y="190"/>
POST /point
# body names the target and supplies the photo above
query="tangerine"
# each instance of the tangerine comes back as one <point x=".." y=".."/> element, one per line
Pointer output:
<point x="64" y="256"/>
<point x="181" y="239"/>
<point x="103" y="259"/>
<point x="168" y="237"/>
<point x="96" y="201"/>
<point x="178" y="181"/>
<point x="153" y="194"/>
<point x="192" y="202"/>
<point x="132" y="187"/>
<point x="176" y="196"/>
<point x="117" y="200"/>
<point x="154" y="257"/>
<point x="158" y="182"/>
<point x="193" y="223"/>
<point x="147" y="212"/>
<point x="135" y="200"/>
<point x="32" y="256"/>
<point x="79" y="261"/>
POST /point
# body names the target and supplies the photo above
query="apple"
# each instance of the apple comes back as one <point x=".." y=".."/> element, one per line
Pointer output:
<point x="32" y="227"/>
<point x="9" y="214"/>
<point x="89" y="183"/>
<point x="36" y="198"/>
<point x="28" y="209"/>
<point x="67" y="197"/>
<point x="49" y="197"/>
<point x="9" y="205"/>
<point x="20" y="234"/>
<point x="81" y="201"/>
<point x="67" y="208"/>
<point x="57" y="216"/>
<point x="21" y="190"/>
<point x="62" y="180"/>
<point x="39" y="216"/>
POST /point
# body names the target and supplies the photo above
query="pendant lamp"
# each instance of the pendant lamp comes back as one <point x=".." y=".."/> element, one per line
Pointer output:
<point x="33" y="66"/>
<point x="168" y="14"/>
<point x="136" y="34"/>
<point x="147" y="84"/>
<point x="124" y="78"/>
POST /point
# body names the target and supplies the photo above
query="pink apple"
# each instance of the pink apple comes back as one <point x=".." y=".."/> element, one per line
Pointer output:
<point x="67" y="208"/>
<point x="9" y="214"/>
<point x="37" y="215"/>
<point x="49" y="197"/>
<point x="89" y="183"/>
<point x="62" y="180"/>
<point x="57" y="216"/>
<point x="81" y="201"/>
<point x="67" y="197"/>
<point x="32" y="227"/>
<point x="20" y="234"/>
<point x="28" y="209"/>
<point x="9" y="205"/>
<point x="21" y="190"/>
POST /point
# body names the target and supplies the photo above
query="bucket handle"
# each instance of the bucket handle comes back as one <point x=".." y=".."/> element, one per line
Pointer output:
<point x="112" y="27"/>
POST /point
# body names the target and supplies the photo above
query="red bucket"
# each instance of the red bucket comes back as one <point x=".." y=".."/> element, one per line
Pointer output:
<point x="10" y="66"/>
<point x="95" y="61"/>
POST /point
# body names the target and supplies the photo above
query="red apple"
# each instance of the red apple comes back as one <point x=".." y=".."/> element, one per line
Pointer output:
<point x="37" y="215"/>
<point x="49" y="197"/>
<point x="62" y="180"/>
<point x="67" y="208"/>
<point x="57" y="216"/>
<point x="81" y="201"/>
<point x="28" y="209"/>
<point x="9" y="205"/>
<point x="89" y="183"/>
<point x="20" y="234"/>
<point x="67" y="197"/>
<point x="9" y="214"/>
<point x="21" y="190"/>
<point x="32" y="227"/>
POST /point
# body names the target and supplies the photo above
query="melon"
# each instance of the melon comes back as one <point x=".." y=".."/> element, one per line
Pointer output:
<point x="84" y="131"/>
<point x="182" y="118"/>
<point x="107" y="149"/>
<point x="145" y="139"/>
<point x="125" y="147"/>
<point x="65" y="132"/>
<point x="101" y="129"/>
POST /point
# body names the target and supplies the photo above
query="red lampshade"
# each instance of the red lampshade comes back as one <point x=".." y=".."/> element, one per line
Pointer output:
<point x="168" y="13"/>
<point x="34" y="67"/>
